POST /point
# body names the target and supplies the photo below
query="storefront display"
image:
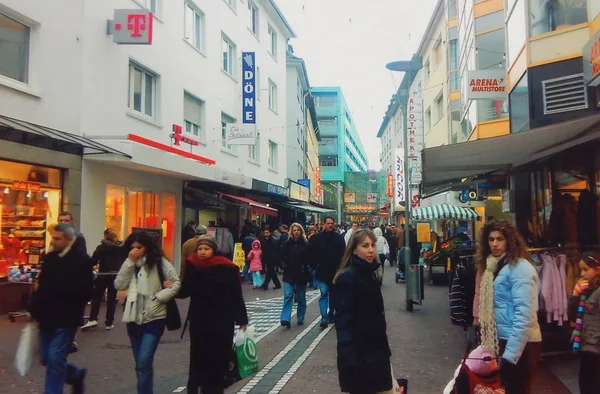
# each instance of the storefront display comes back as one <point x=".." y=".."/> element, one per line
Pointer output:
<point x="29" y="201"/>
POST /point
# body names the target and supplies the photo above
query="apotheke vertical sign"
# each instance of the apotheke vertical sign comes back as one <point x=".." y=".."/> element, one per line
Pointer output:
<point x="416" y="137"/>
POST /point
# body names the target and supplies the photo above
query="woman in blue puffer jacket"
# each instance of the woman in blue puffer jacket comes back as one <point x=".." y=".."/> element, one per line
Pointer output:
<point x="508" y="304"/>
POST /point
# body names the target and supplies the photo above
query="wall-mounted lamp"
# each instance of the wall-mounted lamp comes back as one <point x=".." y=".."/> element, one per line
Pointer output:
<point x="45" y="194"/>
<point x="6" y="190"/>
<point x="28" y="195"/>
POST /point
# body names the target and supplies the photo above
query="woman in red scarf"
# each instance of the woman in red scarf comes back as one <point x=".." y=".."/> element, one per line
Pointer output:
<point x="217" y="305"/>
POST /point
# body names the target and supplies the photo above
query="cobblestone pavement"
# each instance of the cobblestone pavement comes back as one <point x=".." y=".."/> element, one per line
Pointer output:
<point x="426" y="349"/>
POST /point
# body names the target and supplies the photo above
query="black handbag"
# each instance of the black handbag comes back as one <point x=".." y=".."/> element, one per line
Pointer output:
<point x="233" y="373"/>
<point x="173" y="321"/>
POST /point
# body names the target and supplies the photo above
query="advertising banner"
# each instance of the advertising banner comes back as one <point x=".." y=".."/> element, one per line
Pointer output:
<point x="486" y="84"/>
<point x="349" y="197"/>
<point x="390" y="185"/>
<point x="400" y="175"/>
<point x="371" y="197"/>
<point x="245" y="133"/>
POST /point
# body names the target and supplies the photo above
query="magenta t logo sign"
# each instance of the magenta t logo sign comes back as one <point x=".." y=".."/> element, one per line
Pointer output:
<point x="133" y="27"/>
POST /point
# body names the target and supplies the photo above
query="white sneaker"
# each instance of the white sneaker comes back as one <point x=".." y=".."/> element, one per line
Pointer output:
<point x="108" y="328"/>
<point x="90" y="324"/>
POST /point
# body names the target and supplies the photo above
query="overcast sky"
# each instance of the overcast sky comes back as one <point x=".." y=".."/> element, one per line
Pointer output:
<point x="347" y="43"/>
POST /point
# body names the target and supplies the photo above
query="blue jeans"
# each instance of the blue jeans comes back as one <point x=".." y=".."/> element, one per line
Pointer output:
<point x="144" y="341"/>
<point x="324" y="303"/>
<point x="257" y="279"/>
<point x="54" y="349"/>
<point x="289" y="289"/>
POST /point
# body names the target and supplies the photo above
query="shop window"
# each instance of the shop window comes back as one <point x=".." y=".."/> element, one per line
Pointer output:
<point x="135" y="210"/>
<point x="30" y="199"/>
<point x="516" y="31"/>
<point x="519" y="106"/>
<point x="169" y="220"/>
<point x="546" y="16"/>
<point x="114" y="217"/>
<point x="152" y="210"/>
<point x="14" y="49"/>
<point x="491" y="110"/>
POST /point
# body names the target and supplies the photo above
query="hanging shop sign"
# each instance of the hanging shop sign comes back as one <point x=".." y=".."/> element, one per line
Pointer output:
<point x="304" y="182"/>
<point x="178" y="137"/>
<point x="270" y="188"/>
<point x="319" y="186"/>
<point x="131" y="27"/>
<point x="349" y="197"/>
<point x="390" y="185"/>
<point x="591" y="60"/>
<point x="245" y="133"/>
<point x="298" y="191"/>
<point x="371" y="197"/>
<point x="416" y="137"/>
<point x="400" y="176"/>
<point x="486" y="84"/>
<point x="26" y="186"/>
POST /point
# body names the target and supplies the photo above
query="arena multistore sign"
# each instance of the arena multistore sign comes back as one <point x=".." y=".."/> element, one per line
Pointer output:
<point x="486" y="85"/>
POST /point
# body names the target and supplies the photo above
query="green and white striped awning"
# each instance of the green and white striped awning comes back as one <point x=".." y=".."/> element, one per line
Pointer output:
<point x="444" y="211"/>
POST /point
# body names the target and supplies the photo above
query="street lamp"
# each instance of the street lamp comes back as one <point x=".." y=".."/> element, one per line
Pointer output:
<point x="410" y="67"/>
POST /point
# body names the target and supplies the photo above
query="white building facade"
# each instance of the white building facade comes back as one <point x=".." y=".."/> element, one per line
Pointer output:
<point x="137" y="98"/>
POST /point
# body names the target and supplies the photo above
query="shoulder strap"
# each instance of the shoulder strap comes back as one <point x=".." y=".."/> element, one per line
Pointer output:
<point x="161" y="274"/>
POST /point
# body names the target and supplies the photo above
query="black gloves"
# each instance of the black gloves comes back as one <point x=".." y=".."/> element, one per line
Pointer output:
<point x="507" y="372"/>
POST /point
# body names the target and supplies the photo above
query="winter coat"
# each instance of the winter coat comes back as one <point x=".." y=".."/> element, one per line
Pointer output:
<point x="516" y="306"/>
<point x="295" y="256"/>
<point x="216" y="305"/>
<point x="327" y="250"/>
<point x="590" y="333"/>
<point x="255" y="257"/>
<point x="156" y="307"/>
<point x="270" y="251"/>
<point x="65" y="285"/>
<point x="363" y="357"/>
<point x="80" y="242"/>
<point x="382" y="244"/>
<point x="108" y="256"/>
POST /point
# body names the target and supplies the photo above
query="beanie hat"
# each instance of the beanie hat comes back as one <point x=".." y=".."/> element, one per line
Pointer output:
<point x="208" y="240"/>
<point x="478" y="362"/>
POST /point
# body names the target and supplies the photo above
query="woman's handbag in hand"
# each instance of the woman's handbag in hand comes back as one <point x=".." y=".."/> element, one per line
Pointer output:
<point x="173" y="321"/>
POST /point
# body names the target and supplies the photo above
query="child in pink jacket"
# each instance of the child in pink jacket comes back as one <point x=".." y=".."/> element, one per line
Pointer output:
<point x="255" y="257"/>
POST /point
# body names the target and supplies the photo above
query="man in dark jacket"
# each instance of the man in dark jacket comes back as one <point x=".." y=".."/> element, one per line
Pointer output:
<point x="65" y="285"/>
<point x="188" y="232"/>
<point x="270" y="255"/>
<point x="109" y="258"/>
<point x="327" y="249"/>
<point x="66" y="217"/>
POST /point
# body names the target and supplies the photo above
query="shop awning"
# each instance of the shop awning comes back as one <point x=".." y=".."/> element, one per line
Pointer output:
<point x="20" y="131"/>
<point x="308" y="208"/>
<point x="256" y="206"/>
<point x="444" y="211"/>
<point x="451" y="163"/>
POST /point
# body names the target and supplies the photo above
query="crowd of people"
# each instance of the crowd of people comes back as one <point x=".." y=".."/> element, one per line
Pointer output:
<point x="343" y="264"/>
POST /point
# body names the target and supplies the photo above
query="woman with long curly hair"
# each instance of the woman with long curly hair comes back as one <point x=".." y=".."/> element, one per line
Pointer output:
<point x="506" y="303"/>
<point x="295" y="256"/>
<point x="363" y="357"/>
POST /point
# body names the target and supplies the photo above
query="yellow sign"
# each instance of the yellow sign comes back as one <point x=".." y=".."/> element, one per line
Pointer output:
<point x="239" y="256"/>
<point x="423" y="232"/>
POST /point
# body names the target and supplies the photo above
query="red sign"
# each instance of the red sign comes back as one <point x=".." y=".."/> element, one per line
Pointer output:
<point x="27" y="186"/>
<point x="595" y="58"/>
<point x="319" y="191"/>
<point x="170" y="149"/>
<point x="416" y="200"/>
<point x="179" y="137"/>
<point x="390" y="185"/>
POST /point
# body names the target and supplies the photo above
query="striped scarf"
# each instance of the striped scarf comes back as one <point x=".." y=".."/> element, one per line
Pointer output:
<point x="579" y="322"/>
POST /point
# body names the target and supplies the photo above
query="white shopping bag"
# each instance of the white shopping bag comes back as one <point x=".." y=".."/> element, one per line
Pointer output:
<point x="26" y="348"/>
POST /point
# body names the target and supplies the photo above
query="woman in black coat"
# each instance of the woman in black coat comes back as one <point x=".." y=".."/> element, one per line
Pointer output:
<point x="363" y="349"/>
<point x="295" y="274"/>
<point x="217" y="304"/>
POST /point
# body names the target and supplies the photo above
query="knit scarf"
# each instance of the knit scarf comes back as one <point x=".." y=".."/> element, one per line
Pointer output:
<point x="487" y="317"/>
<point x="137" y="294"/>
<point x="579" y="321"/>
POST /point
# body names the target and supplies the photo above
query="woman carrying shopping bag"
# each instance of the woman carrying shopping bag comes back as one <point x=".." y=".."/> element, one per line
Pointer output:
<point x="146" y="305"/>
<point x="217" y="305"/>
<point x="363" y="349"/>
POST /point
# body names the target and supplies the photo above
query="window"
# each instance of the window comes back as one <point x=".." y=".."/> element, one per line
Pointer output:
<point x="426" y="72"/>
<point x="229" y="53"/>
<point x="519" y="106"/>
<point x="254" y="150"/>
<point x="437" y="50"/>
<point x="193" y="114"/>
<point x="272" y="96"/>
<point x="194" y="26"/>
<point x="544" y="18"/>
<point x="516" y="31"/>
<point x="490" y="49"/>
<point x="299" y="92"/>
<point x="439" y="107"/>
<point x="272" y="41"/>
<point x="142" y="90"/>
<point x="253" y="23"/>
<point x="14" y="49"/>
<point x="231" y="3"/>
<point x="326" y="101"/>
<point x="257" y="81"/>
<point x="329" y="161"/>
<point x="152" y="5"/>
<point x="489" y="22"/>
<point x="427" y="120"/>
<point x="225" y="122"/>
<point x="272" y="155"/>
<point x="452" y="9"/>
